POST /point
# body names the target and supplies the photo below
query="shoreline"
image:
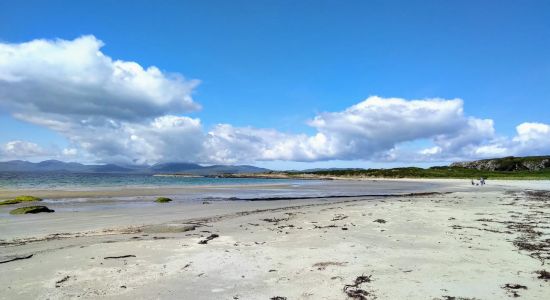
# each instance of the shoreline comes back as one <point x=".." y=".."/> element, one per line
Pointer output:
<point x="130" y="190"/>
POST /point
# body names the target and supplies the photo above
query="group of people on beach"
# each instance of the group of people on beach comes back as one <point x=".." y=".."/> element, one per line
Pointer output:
<point x="481" y="181"/>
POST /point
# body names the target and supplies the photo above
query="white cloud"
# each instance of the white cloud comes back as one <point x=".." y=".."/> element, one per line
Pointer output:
<point x="472" y="133"/>
<point x="531" y="138"/>
<point x="229" y="144"/>
<point x="69" y="152"/>
<point x="166" y="138"/>
<point x="370" y="129"/>
<point x="114" y="110"/>
<point x="377" y="124"/>
<point x="76" y="80"/>
<point x="22" y="150"/>
<point x="528" y="132"/>
<point x="490" y="151"/>
<point x="118" y="111"/>
<point x="480" y="141"/>
<point x="431" y="151"/>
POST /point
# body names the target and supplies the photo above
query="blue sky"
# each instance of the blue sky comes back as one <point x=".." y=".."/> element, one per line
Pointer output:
<point x="278" y="64"/>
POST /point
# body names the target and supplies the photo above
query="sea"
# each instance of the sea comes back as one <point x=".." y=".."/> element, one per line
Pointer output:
<point x="208" y="188"/>
<point x="64" y="180"/>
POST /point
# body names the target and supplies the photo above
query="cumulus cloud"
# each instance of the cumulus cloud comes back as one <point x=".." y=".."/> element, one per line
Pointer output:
<point x="165" y="138"/>
<point x="532" y="138"/>
<point x="119" y="111"/>
<point x="377" y="124"/>
<point x="73" y="78"/>
<point x="370" y="129"/>
<point x="480" y="141"/>
<point x="116" y="110"/>
<point x="69" y="152"/>
<point x="228" y="144"/>
<point x="22" y="150"/>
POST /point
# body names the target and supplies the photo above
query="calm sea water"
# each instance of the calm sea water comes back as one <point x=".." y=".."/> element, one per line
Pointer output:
<point x="22" y="180"/>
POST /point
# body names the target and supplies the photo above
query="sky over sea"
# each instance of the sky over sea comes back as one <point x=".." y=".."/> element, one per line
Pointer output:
<point x="278" y="84"/>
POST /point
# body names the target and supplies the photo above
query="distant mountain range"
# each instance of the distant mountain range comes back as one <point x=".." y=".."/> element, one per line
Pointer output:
<point x="530" y="163"/>
<point x="162" y="168"/>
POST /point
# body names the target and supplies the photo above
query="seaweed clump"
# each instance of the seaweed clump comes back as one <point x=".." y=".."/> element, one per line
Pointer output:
<point x="20" y="199"/>
<point x="543" y="274"/>
<point x="354" y="291"/>
<point x="163" y="200"/>
<point x="31" y="210"/>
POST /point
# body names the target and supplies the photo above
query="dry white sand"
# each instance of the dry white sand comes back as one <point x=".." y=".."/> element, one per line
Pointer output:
<point x="469" y="243"/>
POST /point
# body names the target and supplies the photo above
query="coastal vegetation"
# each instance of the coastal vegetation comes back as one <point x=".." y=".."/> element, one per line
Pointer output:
<point x="31" y="210"/>
<point x="530" y="167"/>
<point x="163" y="200"/>
<point x="20" y="199"/>
<point x="433" y="172"/>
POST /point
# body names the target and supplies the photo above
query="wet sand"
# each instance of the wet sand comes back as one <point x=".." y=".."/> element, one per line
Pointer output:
<point x="447" y="239"/>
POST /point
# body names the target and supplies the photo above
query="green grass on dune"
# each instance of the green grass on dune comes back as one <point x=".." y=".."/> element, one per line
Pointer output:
<point x="20" y="199"/>
<point x="435" y="172"/>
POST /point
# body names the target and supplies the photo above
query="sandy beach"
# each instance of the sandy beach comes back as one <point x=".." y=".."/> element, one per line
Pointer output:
<point x="383" y="239"/>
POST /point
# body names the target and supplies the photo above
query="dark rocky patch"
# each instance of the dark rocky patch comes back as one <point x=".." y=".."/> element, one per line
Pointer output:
<point x="117" y="257"/>
<point x="339" y="217"/>
<point x="59" y="282"/>
<point x="274" y="220"/>
<point x="14" y="258"/>
<point x="322" y="227"/>
<point x="209" y="238"/>
<point x="323" y="265"/>
<point x="457" y="298"/>
<point x="511" y="288"/>
<point x="543" y="274"/>
<point x="354" y="291"/>
<point x="31" y="210"/>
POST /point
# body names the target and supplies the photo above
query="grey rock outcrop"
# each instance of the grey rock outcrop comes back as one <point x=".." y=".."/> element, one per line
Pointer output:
<point x="533" y="163"/>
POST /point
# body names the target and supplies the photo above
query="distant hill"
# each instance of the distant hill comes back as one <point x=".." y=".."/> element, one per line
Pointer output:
<point x="510" y="163"/>
<point x="195" y="169"/>
<point x="174" y="167"/>
<point x="162" y="168"/>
